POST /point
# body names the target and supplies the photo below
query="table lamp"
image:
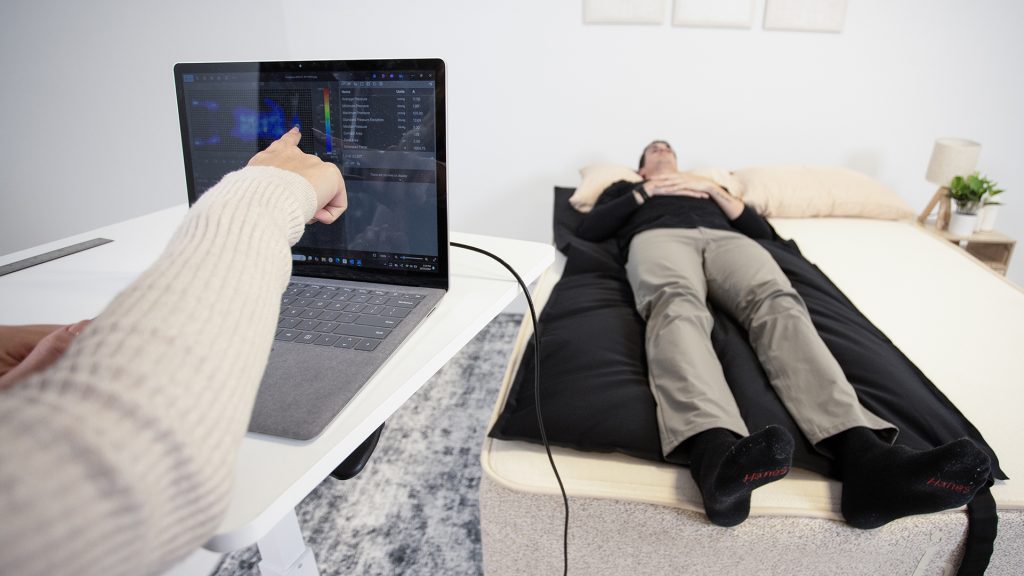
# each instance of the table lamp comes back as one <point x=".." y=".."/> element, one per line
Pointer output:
<point x="950" y="157"/>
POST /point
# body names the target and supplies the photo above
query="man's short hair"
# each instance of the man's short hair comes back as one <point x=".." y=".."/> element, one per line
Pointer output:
<point x="644" y="153"/>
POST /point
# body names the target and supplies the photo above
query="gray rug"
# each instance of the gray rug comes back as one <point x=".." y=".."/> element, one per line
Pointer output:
<point x="414" y="508"/>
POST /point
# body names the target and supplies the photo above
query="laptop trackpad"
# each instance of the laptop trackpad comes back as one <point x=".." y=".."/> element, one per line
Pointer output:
<point x="304" y="388"/>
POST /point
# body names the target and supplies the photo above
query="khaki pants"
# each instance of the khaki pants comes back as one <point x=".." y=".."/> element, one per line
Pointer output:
<point x="674" y="272"/>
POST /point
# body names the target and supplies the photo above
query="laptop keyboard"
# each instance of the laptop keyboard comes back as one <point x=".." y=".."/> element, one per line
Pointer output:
<point x="341" y="317"/>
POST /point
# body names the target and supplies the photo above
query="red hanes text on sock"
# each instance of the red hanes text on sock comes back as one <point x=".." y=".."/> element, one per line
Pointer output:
<point x="766" y="474"/>
<point x="952" y="486"/>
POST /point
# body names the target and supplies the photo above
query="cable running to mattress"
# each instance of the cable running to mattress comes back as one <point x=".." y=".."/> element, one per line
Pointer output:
<point x="536" y="395"/>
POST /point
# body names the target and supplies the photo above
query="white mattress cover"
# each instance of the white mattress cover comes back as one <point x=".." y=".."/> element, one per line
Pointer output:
<point x="959" y="321"/>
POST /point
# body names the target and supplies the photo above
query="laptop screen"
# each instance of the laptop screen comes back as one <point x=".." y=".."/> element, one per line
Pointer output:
<point x="381" y="122"/>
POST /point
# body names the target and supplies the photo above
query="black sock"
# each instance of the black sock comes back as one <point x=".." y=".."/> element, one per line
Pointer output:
<point x="882" y="483"/>
<point x="727" y="468"/>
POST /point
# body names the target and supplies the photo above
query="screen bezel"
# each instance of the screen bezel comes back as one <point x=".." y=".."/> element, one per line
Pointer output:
<point x="438" y="279"/>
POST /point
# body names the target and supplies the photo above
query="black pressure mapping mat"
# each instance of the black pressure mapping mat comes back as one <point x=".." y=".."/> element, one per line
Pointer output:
<point x="594" y="390"/>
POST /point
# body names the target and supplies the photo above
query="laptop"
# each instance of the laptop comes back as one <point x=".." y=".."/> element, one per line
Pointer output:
<point x="361" y="285"/>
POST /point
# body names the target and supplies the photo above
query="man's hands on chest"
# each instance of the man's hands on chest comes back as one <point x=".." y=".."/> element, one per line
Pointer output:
<point x="689" y="184"/>
<point x="679" y="184"/>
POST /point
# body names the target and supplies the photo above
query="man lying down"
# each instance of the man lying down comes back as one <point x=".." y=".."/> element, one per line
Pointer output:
<point x="688" y="242"/>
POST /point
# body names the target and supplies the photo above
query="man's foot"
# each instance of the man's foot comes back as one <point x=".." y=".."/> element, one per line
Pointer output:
<point x="728" y="469"/>
<point x="882" y="482"/>
<point x="897" y="481"/>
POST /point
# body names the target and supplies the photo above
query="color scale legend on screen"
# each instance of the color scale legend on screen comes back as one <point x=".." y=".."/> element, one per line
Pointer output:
<point x="327" y="116"/>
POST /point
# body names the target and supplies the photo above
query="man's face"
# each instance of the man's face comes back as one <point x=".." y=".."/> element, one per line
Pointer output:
<point x="658" y="157"/>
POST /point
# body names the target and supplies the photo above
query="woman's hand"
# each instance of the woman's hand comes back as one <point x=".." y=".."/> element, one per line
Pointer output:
<point x="25" y="350"/>
<point x="284" y="153"/>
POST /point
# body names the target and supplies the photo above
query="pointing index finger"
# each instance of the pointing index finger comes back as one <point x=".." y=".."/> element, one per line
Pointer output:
<point x="292" y="136"/>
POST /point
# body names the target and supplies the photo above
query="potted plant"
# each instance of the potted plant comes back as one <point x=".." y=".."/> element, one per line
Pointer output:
<point x="968" y="194"/>
<point x="989" y="210"/>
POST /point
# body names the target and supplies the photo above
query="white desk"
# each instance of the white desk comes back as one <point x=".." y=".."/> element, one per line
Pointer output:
<point x="273" y="475"/>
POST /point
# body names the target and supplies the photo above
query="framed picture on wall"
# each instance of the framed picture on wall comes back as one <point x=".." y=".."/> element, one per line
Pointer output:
<point x="805" y="15"/>
<point x="713" y="13"/>
<point x="623" y="11"/>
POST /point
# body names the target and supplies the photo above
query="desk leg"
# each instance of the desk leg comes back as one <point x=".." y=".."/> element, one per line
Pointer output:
<point x="284" y="552"/>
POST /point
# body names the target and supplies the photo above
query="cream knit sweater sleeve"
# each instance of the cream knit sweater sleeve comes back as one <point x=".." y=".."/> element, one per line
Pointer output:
<point x="119" y="458"/>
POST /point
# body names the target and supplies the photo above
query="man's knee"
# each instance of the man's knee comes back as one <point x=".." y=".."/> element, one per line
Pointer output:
<point x="773" y="297"/>
<point x="677" y="296"/>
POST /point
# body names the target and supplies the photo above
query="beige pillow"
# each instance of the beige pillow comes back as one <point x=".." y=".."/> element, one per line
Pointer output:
<point x="596" y="178"/>
<point x="807" y="191"/>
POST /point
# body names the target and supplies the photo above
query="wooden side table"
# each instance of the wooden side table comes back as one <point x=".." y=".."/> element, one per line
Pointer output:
<point x="993" y="248"/>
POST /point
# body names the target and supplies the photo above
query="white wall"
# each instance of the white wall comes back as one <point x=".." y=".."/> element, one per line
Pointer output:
<point x="533" y="95"/>
<point x="88" y="107"/>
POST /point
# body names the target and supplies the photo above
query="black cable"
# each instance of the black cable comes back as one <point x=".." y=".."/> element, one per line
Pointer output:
<point x="536" y="396"/>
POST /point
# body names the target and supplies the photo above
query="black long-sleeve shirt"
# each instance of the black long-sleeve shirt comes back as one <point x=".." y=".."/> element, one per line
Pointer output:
<point x="618" y="214"/>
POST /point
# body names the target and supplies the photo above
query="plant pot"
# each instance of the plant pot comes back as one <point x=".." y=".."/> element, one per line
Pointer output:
<point x="967" y="206"/>
<point x="962" y="224"/>
<point x="987" y="221"/>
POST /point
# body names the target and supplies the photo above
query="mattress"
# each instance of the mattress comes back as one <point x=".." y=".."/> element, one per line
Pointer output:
<point x="957" y="320"/>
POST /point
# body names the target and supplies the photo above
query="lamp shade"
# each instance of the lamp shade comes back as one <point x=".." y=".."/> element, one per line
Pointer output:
<point x="952" y="157"/>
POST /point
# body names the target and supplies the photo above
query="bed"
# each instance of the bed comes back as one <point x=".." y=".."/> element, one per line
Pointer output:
<point x="954" y="318"/>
